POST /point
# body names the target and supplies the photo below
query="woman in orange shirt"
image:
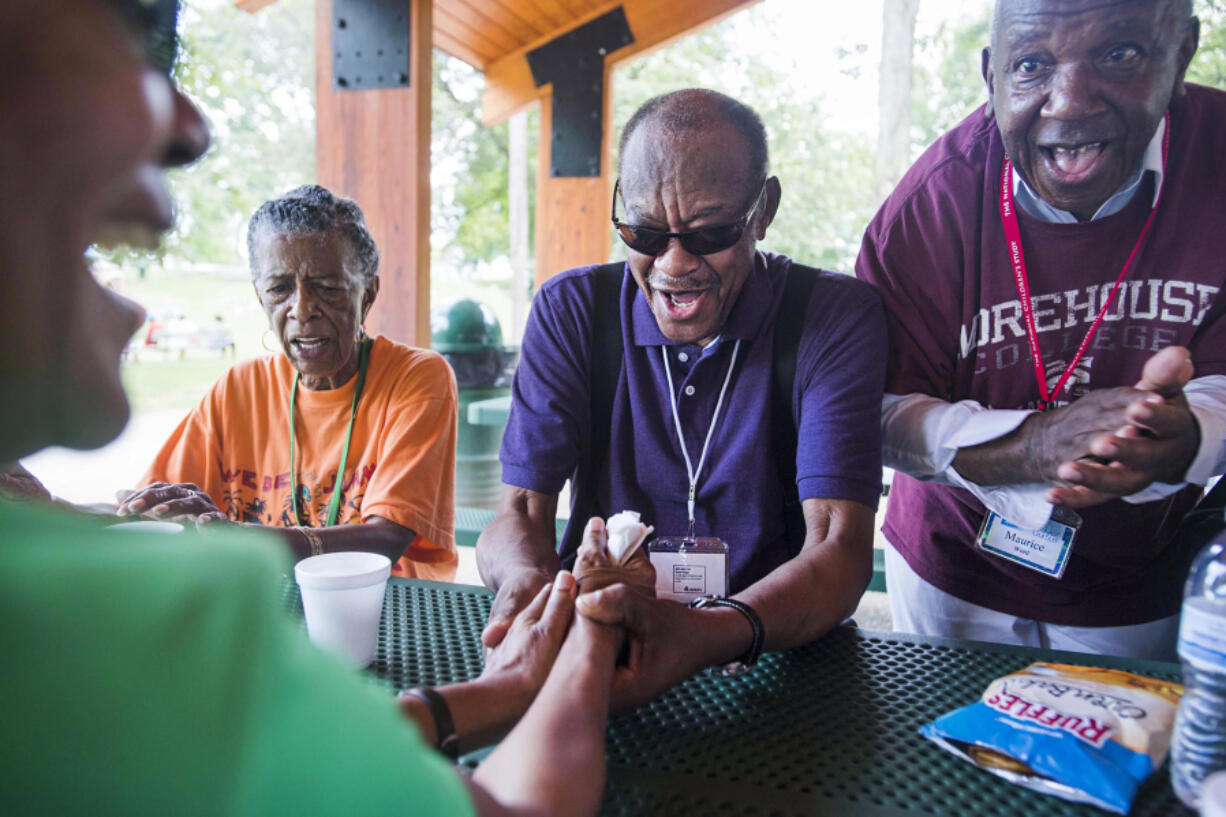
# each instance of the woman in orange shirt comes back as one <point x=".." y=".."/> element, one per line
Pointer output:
<point x="343" y="441"/>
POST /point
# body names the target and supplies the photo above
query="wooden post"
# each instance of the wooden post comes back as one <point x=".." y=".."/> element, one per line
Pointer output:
<point x="517" y="214"/>
<point x="374" y="147"/>
<point x="572" y="214"/>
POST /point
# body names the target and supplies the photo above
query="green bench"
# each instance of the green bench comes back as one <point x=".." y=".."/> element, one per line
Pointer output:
<point x="469" y="522"/>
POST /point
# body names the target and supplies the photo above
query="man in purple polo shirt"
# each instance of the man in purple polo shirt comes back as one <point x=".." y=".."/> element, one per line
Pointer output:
<point x="1060" y="249"/>
<point x="697" y="306"/>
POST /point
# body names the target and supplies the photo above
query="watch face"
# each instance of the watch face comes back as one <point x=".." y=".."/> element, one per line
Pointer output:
<point x="729" y="670"/>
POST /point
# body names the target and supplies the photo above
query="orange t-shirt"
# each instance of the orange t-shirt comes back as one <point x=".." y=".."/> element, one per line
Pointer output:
<point x="235" y="446"/>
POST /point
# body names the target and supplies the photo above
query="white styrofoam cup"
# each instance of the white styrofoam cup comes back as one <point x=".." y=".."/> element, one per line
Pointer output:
<point x="342" y="597"/>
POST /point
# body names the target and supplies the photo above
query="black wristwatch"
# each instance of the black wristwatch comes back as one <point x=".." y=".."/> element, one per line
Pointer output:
<point x="750" y="656"/>
<point x="448" y="741"/>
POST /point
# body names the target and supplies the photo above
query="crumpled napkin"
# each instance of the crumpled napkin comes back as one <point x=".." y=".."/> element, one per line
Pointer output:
<point x="616" y="556"/>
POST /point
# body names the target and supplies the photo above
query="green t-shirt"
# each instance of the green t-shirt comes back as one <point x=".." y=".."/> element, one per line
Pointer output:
<point x="157" y="674"/>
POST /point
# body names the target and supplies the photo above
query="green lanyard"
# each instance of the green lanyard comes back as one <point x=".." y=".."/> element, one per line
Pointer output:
<point x="334" y="506"/>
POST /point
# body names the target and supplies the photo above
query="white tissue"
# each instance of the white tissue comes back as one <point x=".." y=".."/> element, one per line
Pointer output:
<point x="626" y="533"/>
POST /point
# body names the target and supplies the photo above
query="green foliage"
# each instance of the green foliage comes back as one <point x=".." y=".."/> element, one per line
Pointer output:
<point x="470" y="177"/>
<point x="1209" y="65"/>
<point x="252" y="76"/>
<point x="947" y="81"/>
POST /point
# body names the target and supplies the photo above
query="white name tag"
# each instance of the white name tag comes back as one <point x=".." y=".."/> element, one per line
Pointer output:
<point x="687" y="569"/>
<point x="1045" y="550"/>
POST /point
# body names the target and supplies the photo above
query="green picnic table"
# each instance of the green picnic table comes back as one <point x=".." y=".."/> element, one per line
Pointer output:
<point x="827" y="728"/>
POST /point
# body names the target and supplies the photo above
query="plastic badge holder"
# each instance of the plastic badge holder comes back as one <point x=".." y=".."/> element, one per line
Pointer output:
<point x="687" y="568"/>
<point x="342" y="598"/>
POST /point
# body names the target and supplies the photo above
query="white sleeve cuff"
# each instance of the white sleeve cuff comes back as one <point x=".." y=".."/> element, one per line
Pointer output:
<point x="922" y="437"/>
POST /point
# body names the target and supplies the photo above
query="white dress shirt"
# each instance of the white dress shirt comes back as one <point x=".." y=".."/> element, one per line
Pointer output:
<point x="922" y="434"/>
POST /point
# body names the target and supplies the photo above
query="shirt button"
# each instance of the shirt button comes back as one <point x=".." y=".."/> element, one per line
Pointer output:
<point x="682" y="356"/>
<point x="689" y="391"/>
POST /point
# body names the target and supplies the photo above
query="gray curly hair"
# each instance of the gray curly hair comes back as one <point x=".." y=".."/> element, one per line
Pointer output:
<point x="311" y="210"/>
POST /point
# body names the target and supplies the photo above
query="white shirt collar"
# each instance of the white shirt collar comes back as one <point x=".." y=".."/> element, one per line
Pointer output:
<point x="1036" y="207"/>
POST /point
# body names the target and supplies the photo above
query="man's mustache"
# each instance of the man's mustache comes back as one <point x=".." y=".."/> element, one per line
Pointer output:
<point x="687" y="283"/>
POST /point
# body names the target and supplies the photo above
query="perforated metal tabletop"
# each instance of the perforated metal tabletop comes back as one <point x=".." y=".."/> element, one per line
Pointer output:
<point x="830" y="728"/>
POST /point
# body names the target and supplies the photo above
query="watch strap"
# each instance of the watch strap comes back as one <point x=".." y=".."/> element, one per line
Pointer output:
<point x="448" y="741"/>
<point x="750" y="656"/>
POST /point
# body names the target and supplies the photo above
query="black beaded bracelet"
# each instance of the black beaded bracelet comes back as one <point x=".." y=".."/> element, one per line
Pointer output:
<point x="444" y="727"/>
<point x="750" y="657"/>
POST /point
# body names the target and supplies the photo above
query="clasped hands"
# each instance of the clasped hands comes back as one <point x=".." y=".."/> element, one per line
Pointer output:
<point x="1116" y="442"/>
<point x="532" y="611"/>
<point x="171" y="502"/>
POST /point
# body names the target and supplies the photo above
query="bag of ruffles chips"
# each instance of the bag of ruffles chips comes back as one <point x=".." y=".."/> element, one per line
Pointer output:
<point x="1086" y="734"/>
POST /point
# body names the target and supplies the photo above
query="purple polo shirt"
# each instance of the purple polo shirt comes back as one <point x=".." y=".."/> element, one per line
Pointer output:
<point x="836" y="403"/>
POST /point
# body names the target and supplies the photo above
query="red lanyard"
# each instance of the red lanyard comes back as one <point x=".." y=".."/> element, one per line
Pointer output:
<point x="1013" y="238"/>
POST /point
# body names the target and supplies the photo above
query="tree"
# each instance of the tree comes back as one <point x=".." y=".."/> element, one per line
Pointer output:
<point x="252" y="76"/>
<point x="470" y="178"/>
<point x="1209" y="64"/>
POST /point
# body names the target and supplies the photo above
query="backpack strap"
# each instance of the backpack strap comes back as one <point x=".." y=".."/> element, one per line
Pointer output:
<point x="789" y="324"/>
<point x="605" y="368"/>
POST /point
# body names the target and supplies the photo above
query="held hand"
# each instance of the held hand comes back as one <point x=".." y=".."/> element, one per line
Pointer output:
<point x="171" y="502"/>
<point x="530" y="644"/>
<point x="20" y="485"/>
<point x="1065" y="434"/>
<point x="516" y="593"/>
<point x="1158" y="444"/>
<point x="661" y="637"/>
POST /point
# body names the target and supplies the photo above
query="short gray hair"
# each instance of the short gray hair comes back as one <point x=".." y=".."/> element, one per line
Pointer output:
<point x="312" y="210"/>
<point x="696" y="109"/>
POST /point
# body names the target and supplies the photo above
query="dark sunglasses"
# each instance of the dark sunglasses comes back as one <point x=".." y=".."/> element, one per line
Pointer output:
<point x="155" y="25"/>
<point x="703" y="241"/>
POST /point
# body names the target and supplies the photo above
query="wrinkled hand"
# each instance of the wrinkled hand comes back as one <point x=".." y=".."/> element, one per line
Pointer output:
<point x="1065" y="434"/>
<point x="661" y="637"/>
<point x="181" y="502"/>
<point x="514" y="594"/>
<point x="1157" y="445"/>
<point x="595" y="568"/>
<point x="20" y="485"/>
<point x="530" y="644"/>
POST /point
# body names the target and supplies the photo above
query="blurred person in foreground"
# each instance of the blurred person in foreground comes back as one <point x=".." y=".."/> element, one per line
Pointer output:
<point x="264" y="446"/>
<point x="1053" y="268"/>
<point x="154" y="674"/>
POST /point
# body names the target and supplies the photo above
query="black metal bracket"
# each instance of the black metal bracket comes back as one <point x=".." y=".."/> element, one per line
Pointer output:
<point x="370" y="44"/>
<point x="574" y="63"/>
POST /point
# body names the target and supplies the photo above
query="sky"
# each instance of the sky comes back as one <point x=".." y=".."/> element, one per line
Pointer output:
<point x="814" y="33"/>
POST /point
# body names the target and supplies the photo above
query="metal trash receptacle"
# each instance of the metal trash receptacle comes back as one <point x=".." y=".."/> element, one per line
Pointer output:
<point x="467" y="333"/>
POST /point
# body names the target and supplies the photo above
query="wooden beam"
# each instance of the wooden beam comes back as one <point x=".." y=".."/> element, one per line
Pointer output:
<point x="374" y="146"/>
<point x="508" y="82"/>
<point x="572" y="214"/>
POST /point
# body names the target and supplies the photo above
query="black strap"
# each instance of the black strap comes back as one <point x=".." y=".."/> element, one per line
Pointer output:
<point x="606" y="365"/>
<point x="444" y="725"/>
<point x="789" y="323"/>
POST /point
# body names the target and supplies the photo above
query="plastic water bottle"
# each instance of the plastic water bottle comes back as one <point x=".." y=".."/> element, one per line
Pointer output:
<point x="1199" y="745"/>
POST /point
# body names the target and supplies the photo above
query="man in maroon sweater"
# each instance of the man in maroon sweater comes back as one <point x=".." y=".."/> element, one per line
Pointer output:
<point x="1052" y="270"/>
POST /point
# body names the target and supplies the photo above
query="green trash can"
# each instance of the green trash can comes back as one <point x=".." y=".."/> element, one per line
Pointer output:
<point x="469" y="336"/>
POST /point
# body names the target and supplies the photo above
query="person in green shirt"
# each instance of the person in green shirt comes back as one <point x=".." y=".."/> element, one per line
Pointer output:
<point x="156" y="674"/>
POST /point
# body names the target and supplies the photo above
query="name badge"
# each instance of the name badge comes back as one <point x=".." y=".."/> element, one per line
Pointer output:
<point x="688" y="568"/>
<point x="1045" y="550"/>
